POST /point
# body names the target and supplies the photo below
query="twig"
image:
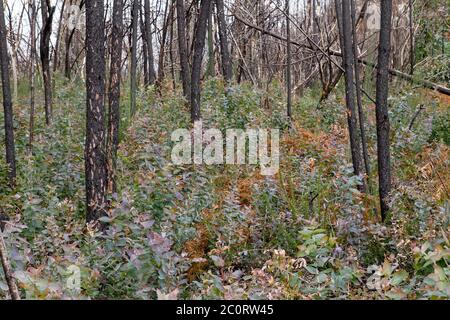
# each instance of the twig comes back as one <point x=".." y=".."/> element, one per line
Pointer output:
<point x="14" y="292"/>
<point x="411" y="124"/>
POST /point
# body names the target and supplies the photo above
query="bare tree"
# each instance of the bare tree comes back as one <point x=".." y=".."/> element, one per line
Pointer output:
<point x="114" y="92"/>
<point x="348" y="60"/>
<point x="289" y="62"/>
<point x="183" y="50"/>
<point x="382" y="115"/>
<point x="58" y="37"/>
<point x="411" y="37"/>
<point x="361" y="115"/>
<point x="134" y="26"/>
<point x="227" y="66"/>
<point x="47" y="12"/>
<point x="7" y="102"/>
<point x="199" y="45"/>
<point x="32" y="17"/>
<point x="149" y="41"/>
<point x="95" y="158"/>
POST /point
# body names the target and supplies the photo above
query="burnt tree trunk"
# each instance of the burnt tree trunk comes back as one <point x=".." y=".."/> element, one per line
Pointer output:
<point x="47" y="12"/>
<point x="411" y="38"/>
<point x="227" y="66"/>
<point x="199" y="45"/>
<point x="32" y="18"/>
<point x="361" y="115"/>
<point x="144" y="46"/>
<point x="135" y="17"/>
<point x="149" y="41"/>
<point x="95" y="159"/>
<point x="348" y="61"/>
<point x="114" y="92"/>
<point x="288" y="62"/>
<point x="7" y="102"/>
<point x="162" y="49"/>
<point x="58" y="38"/>
<point x="382" y="116"/>
<point x="183" y="50"/>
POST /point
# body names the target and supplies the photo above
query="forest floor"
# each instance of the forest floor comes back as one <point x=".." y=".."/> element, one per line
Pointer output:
<point x="227" y="232"/>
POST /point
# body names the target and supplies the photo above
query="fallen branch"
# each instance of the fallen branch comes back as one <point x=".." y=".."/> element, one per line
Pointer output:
<point x="14" y="292"/>
<point x="424" y="83"/>
<point x="416" y="115"/>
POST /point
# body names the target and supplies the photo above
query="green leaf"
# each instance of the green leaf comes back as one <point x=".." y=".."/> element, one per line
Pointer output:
<point x="399" y="277"/>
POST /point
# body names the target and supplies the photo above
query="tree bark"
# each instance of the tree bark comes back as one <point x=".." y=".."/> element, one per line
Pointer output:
<point x="183" y="50"/>
<point x="227" y="66"/>
<point x="134" y="17"/>
<point x="289" y="62"/>
<point x="211" y="59"/>
<point x="7" y="102"/>
<point x="411" y="37"/>
<point x="361" y="115"/>
<point x="162" y="50"/>
<point x="58" y="38"/>
<point x="199" y="45"/>
<point x="382" y="116"/>
<point x="114" y="92"/>
<point x="149" y="40"/>
<point x="32" y="18"/>
<point x="47" y="12"/>
<point x="95" y="159"/>
<point x="348" y="60"/>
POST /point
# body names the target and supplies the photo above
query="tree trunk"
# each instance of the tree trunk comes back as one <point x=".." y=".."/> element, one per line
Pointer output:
<point x="183" y="51"/>
<point x="411" y="37"/>
<point x="95" y="159"/>
<point x="7" y="102"/>
<point x="382" y="116"/>
<point x="149" y="40"/>
<point x="47" y="12"/>
<point x="144" y="47"/>
<point x="134" y="17"/>
<point x="162" y="49"/>
<point x="211" y="63"/>
<point x="348" y="61"/>
<point x="32" y="19"/>
<point x="289" y="63"/>
<point x="199" y="45"/>
<point x="227" y="66"/>
<point x="114" y="92"/>
<point x="361" y="115"/>
<point x="58" y="38"/>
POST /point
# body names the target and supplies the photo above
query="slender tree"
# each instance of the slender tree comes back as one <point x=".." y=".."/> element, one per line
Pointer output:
<point x="7" y="102"/>
<point x="183" y="50"/>
<point x="133" y="80"/>
<point x="149" y="40"/>
<point x="288" y="62"/>
<point x="199" y="45"/>
<point x="411" y="37"/>
<point x="95" y="159"/>
<point x="32" y="18"/>
<point x="361" y="115"/>
<point x="227" y="66"/>
<point x="47" y="12"/>
<point x="114" y="92"/>
<point x="382" y="115"/>
<point x="210" y="71"/>
<point x="144" y="47"/>
<point x="58" y="37"/>
<point x="348" y="60"/>
<point x="162" y="50"/>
